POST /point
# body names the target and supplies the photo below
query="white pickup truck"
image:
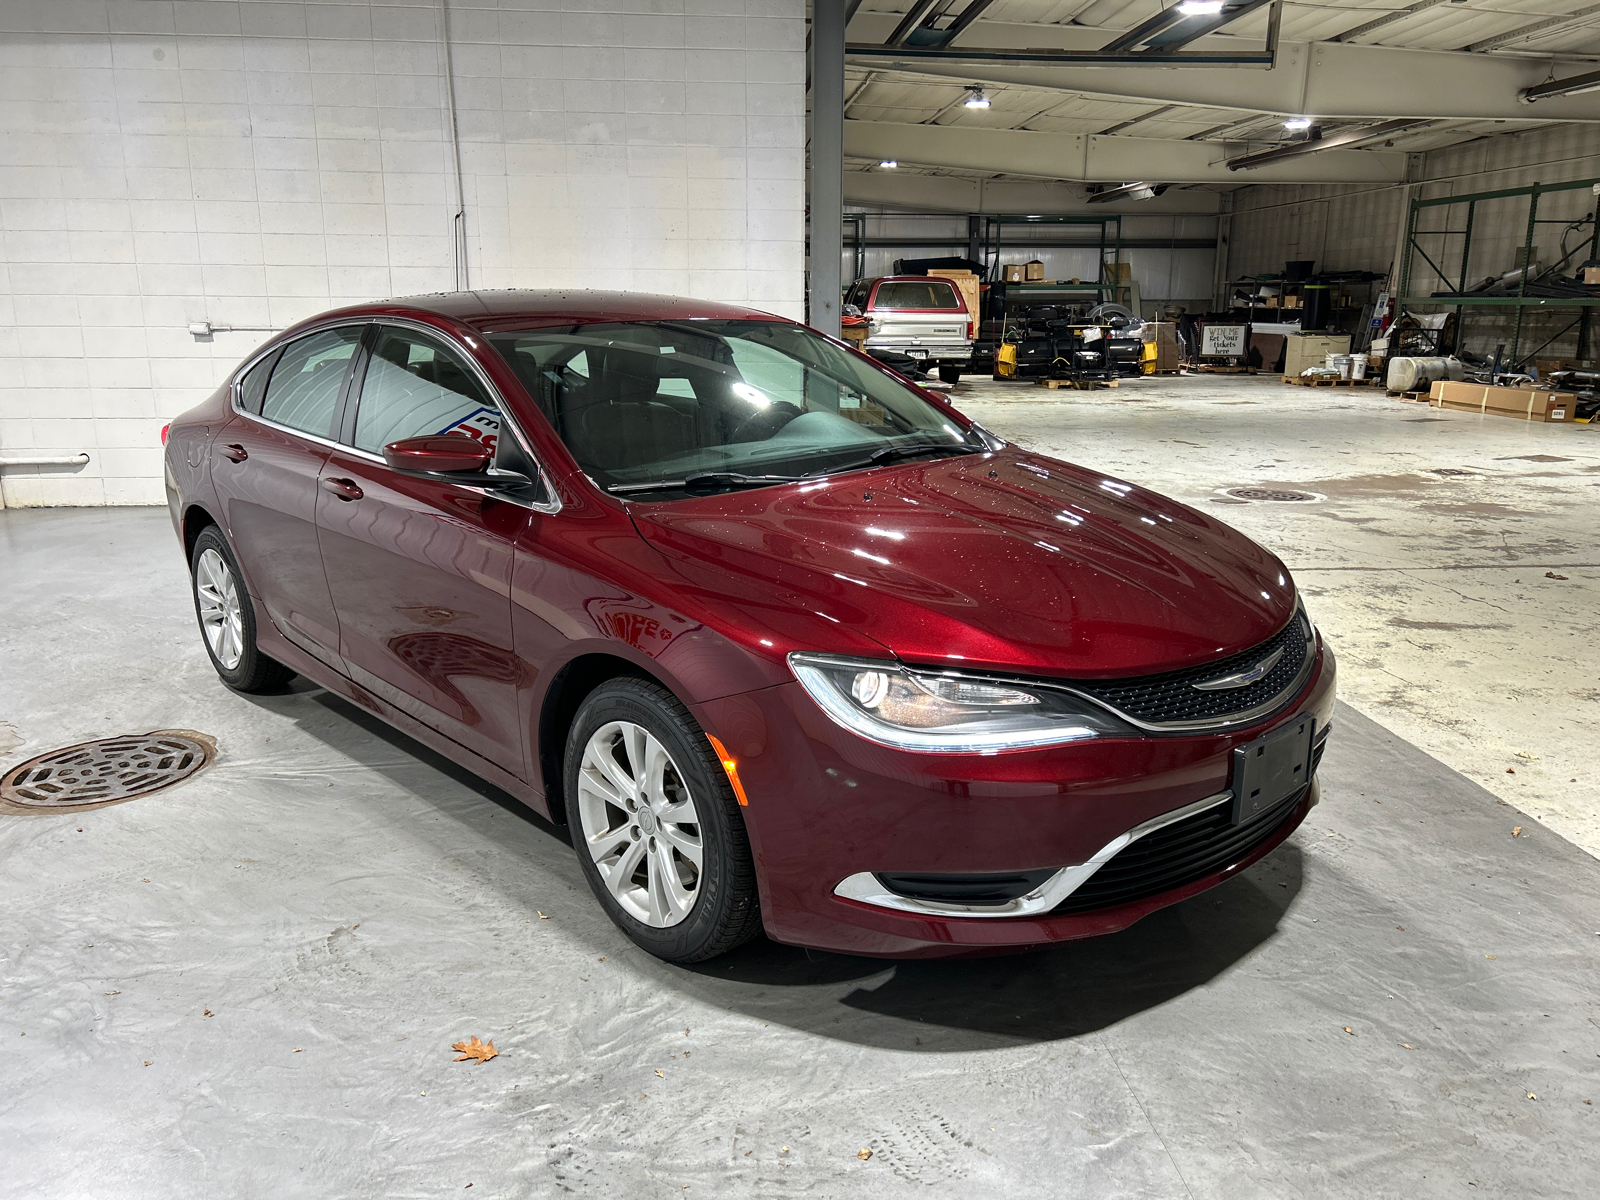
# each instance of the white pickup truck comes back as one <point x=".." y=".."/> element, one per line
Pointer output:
<point x="916" y="315"/>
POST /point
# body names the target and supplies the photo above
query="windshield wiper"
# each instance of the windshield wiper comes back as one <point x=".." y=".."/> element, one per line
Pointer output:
<point x="890" y="453"/>
<point x="703" y="479"/>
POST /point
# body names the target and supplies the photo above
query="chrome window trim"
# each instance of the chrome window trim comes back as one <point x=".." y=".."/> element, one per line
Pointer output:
<point x="550" y="508"/>
<point x="866" y="888"/>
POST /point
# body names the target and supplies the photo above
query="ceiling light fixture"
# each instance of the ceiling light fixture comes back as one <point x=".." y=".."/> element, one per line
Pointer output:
<point x="1297" y="123"/>
<point x="975" y="97"/>
<point x="1573" y="85"/>
<point x="1200" y="8"/>
<point x="889" y="162"/>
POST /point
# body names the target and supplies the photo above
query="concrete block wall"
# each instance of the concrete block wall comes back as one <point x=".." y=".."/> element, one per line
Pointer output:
<point x="252" y="162"/>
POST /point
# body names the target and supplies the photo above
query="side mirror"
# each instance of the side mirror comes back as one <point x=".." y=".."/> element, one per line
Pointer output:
<point x="440" y="454"/>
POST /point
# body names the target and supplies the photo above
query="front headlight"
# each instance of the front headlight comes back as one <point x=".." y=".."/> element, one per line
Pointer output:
<point x="946" y="713"/>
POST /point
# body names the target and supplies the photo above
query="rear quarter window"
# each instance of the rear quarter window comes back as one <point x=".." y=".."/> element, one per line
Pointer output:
<point x="932" y="293"/>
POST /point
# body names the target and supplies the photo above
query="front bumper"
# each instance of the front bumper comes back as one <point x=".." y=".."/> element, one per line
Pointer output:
<point x="825" y="806"/>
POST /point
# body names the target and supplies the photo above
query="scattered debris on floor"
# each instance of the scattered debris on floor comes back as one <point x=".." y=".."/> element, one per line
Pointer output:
<point x="863" y="1154"/>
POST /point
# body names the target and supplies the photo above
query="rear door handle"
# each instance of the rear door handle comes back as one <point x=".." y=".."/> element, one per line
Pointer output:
<point x="235" y="452"/>
<point x="345" y="489"/>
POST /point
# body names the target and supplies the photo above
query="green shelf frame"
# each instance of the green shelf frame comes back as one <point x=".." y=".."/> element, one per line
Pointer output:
<point x="1519" y="303"/>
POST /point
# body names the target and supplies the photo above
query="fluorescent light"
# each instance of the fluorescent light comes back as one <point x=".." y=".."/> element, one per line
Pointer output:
<point x="1200" y="8"/>
<point x="889" y="162"/>
<point x="1298" y="123"/>
<point x="976" y="98"/>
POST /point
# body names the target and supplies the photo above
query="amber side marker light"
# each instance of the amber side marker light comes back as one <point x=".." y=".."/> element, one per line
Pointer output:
<point x="732" y="768"/>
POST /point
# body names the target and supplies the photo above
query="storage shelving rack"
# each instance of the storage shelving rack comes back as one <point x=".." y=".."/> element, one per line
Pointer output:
<point x="1519" y="303"/>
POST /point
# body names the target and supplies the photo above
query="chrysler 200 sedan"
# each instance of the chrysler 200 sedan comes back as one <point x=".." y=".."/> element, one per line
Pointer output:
<point x="789" y="643"/>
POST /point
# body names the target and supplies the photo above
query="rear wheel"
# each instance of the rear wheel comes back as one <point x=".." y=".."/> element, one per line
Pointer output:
<point x="227" y="618"/>
<point x="658" y="832"/>
<point x="950" y="372"/>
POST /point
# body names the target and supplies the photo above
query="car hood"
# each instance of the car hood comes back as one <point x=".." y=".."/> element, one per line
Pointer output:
<point x="1008" y="561"/>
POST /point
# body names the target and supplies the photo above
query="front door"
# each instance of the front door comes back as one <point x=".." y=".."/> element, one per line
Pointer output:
<point x="420" y="569"/>
<point x="266" y="464"/>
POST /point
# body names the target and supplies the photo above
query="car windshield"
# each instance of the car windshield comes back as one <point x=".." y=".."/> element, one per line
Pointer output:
<point x="653" y="409"/>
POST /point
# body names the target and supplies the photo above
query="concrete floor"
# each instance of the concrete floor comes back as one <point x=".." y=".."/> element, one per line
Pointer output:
<point x="1435" y="590"/>
<point x="345" y="904"/>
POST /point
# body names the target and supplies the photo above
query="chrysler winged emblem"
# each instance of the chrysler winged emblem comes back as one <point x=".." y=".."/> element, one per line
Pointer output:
<point x="1240" y="679"/>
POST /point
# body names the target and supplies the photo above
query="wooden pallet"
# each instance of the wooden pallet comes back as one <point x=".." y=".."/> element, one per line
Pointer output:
<point x="1087" y="385"/>
<point x="1210" y="369"/>
<point x="1414" y="397"/>
<point x="1174" y="371"/>
<point x="1324" y="381"/>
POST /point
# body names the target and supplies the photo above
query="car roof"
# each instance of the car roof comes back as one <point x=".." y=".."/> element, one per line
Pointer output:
<point x="509" y="307"/>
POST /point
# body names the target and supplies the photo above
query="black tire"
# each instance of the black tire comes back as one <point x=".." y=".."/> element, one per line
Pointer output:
<point x="254" y="671"/>
<point x="726" y="911"/>
<point x="950" y="372"/>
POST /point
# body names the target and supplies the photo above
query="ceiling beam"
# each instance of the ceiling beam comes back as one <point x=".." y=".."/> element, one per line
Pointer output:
<point x="1512" y="35"/>
<point x="1170" y="29"/>
<point x="1095" y="159"/>
<point x="962" y="194"/>
<point x="912" y="19"/>
<point x="1325" y="79"/>
<point x="1349" y="35"/>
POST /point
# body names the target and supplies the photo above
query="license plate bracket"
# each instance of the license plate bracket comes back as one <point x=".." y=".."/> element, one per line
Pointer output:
<point x="1272" y="768"/>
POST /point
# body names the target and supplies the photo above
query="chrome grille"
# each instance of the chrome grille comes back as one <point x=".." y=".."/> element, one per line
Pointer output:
<point x="1172" y="698"/>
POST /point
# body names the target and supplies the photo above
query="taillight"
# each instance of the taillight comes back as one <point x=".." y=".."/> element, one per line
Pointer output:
<point x="164" y="429"/>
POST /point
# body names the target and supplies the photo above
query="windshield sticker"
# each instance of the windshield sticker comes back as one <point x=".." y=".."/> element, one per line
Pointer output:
<point x="481" y="423"/>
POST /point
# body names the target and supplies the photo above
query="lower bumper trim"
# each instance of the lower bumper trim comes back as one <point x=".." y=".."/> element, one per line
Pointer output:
<point x="866" y="887"/>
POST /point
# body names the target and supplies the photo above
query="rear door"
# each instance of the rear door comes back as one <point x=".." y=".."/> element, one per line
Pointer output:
<point x="420" y="568"/>
<point x="918" y="317"/>
<point x="265" y="465"/>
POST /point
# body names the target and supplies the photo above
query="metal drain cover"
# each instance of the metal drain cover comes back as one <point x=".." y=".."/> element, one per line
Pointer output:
<point x="108" y="771"/>
<point x="1272" y="495"/>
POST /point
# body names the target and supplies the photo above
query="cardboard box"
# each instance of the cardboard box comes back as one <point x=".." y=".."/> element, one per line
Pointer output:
<point x="1013" y="272"/>
<point x="966" y="283"/>
<point x="1033" y="271"/>
<point x="1271" y="302"/>
<point x="1162" y="352"/>
<point x="1311" y="350"/>
<point x="1119" y="272"/>
<point x="1525" y="404"/>
<point x="1591" y="275"/>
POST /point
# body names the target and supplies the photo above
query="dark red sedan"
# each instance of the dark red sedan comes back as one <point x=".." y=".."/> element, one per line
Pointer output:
<point x="790" y="643"/>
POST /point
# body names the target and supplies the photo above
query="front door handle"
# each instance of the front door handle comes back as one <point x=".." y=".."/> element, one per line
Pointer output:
<point x="345" y="489"/>
<point x="235" y="452"/>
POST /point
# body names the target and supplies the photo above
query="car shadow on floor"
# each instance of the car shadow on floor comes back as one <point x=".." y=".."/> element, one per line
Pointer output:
<point x="1067" y="991"/>
<point x="938" y="1005"/>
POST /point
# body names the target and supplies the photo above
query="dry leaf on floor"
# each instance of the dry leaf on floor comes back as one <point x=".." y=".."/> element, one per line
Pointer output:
<point x="1408" y="1045"/>
<point x="663" y="1074"/>
<point x="480" y="1051"/>
<point x="1490" y="956"/>
<point x="1553" y="575"/>
<point x="1350" y="1031"/>
<point x="542" y="917"/>
<point x="207" y="1013"/>
<point x="1516" y="831"/>
<point x="863" y="1154"/>
<point x="1511" y="770"/>
<point x="1529" y="755"/>
<point x="148" y="1061"/>
<point x="1531" y="1096"/>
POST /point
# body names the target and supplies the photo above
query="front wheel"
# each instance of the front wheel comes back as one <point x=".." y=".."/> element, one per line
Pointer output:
<point x="228" y="619"/>
<point x="658" y="834"/>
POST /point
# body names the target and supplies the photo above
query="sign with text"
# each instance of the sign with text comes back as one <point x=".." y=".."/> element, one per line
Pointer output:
<point x="1222" y="341"/>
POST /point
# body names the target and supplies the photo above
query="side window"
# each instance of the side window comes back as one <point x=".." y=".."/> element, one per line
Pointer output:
<point x="305" y="386"/>
<point x="253" y="387"/>
<point x="415" y="387"/>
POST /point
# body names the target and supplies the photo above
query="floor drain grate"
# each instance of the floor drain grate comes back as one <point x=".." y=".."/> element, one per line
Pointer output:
<point x="1272" y="495"/>
<point x="108" y="771"/>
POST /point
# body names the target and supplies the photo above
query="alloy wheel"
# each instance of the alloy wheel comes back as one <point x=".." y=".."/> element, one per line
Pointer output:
<point x="640" y="824"/>
<point x="220" y="615"/>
